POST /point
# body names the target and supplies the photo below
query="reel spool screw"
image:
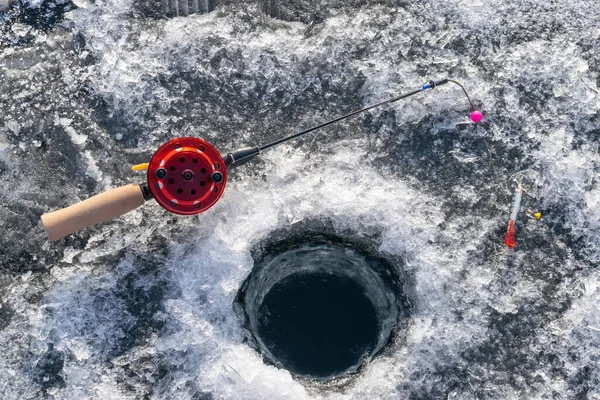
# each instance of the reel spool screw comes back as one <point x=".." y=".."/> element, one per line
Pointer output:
<point x="187" y="175"/>
<point x="216" y="177"/>
<point x="161" y="173"/>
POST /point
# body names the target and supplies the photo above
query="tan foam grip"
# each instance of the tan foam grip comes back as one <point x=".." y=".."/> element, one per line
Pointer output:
<point x="96" y="209"/>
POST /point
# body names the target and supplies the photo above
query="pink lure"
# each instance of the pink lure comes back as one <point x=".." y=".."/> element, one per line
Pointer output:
<point x="476" y="116"/>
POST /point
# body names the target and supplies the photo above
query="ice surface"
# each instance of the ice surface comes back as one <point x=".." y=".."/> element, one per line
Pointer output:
<point x="142" y="306"/>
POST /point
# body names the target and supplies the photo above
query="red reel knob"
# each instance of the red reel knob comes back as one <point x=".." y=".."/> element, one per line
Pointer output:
<point x="187" y="175"/>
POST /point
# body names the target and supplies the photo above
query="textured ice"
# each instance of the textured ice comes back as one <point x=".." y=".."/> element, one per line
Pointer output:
<point x="142" y="306"/>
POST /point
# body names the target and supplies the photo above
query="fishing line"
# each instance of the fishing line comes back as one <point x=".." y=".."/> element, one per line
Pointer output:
<point x="465" y="92"/>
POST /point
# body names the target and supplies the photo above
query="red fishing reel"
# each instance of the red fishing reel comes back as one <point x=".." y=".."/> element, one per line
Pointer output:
<point x="187" y="175"/>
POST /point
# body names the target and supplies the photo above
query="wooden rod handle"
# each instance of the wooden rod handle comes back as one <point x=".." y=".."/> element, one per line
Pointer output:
<point x="100" y="208"/>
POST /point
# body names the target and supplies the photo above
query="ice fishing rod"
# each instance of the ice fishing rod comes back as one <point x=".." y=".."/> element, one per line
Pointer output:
<point x="186" y="176"/>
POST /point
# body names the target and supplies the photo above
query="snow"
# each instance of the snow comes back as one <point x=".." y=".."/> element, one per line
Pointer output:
<point x="142" y="306"/>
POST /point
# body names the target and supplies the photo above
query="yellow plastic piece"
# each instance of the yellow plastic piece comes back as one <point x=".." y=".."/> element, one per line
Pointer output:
<point x="140" y="167"/>
<point x="535" y="214"/>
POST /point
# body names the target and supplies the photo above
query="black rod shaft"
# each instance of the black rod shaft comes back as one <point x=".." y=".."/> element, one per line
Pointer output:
<point x="314" y="128"/>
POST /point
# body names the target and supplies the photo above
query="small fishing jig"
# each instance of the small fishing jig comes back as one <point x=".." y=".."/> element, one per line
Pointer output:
<point x="185" y="176"/>
<point x="534" y="214"/>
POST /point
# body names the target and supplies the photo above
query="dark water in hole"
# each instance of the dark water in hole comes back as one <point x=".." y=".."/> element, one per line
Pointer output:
<point x="320" y="309"/>
<point x="318" y="324"/>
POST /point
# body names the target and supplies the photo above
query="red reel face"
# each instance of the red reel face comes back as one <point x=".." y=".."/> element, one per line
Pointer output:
<point x="187" y="175"/>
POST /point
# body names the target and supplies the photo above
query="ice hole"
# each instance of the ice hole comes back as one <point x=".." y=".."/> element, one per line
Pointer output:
<point x="320" y="309"/>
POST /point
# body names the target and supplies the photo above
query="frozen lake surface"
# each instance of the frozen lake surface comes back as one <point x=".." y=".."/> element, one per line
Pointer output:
<point x="142" y="307"/>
